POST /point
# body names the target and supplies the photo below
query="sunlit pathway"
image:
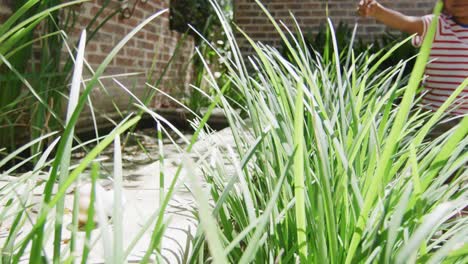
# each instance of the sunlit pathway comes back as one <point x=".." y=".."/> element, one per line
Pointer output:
<point x="141" y="191"/>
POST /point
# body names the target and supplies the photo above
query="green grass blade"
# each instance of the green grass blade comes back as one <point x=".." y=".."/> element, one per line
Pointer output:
<point x="40" y="15"/>
<point x="207" y="221"/>
<point x="117" y="214"/>
<point x="411" y="247"/>
<point x="299" y="168"/>
<point x="15" y="153"/>
<point x="38" y="227"/>
<point x="90" y="213"/>
<point x="443" y="155"/>
<point x="249" y="252"/>
<point x="159" y="222"/>
<point x="65" y="159"/>
<point x="393" y="138"/>
<point x="74" y="118"/>
<point x="17" y="15"/>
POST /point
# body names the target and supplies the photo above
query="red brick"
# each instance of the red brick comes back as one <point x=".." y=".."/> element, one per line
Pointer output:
<point x="114" y="29"/>
<point x="95" y="59"/>
<point x="145" y="45"/>
<point x="125" y="62"/>
<point x="134" y="53"/>
<point x="91" y="47"/>
<point x="105" y="48"/>
<point x="152" y="37"/>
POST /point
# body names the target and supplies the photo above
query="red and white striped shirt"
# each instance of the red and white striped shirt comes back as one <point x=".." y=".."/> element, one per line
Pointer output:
<point x="448" y="64"/>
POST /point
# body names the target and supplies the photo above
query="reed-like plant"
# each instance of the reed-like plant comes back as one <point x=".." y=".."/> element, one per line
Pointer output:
<point x="16" y="45"/>
<point x="355" y="180"/>
<point x="32" y="234"/>
<point x="329" y="168"/>
<point x="34" y="111"/>
<point x="39" y="235"/>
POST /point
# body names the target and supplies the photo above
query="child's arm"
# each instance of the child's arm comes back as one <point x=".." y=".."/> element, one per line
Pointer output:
<point x="391" y="18"/>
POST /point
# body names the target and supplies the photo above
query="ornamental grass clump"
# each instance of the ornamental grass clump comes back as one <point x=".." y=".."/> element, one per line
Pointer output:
<point x="33" y="227"/>
<point x="35" y="223"/>
<point x="333" y="163"/>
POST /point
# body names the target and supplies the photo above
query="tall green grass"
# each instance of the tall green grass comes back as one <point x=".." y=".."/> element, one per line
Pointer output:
<point x="329" y="167"/>
<point x="333" y="167"/>
<point x="16" y="45"/>
<point x="36" y="227"/>
<point x="40" y="26"/>
<point x="31" y="233"/>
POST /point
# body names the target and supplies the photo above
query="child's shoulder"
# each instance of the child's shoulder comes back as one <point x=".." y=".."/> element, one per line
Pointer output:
<point x="444" y="19"/>
<point x="447" y="30"/>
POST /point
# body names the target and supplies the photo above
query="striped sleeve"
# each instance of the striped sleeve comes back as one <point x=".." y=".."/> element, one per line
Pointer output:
<point x="418" y="39"/>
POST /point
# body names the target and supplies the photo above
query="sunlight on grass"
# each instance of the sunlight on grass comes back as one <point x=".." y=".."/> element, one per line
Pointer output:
<point x="330" y="162"/>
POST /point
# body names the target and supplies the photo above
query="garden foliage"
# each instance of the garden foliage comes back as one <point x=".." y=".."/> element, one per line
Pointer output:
<point x="333" y="163"/>
<point x="333" y="167"/>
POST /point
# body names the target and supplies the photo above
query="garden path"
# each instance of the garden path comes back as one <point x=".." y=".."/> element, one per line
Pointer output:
<point x="141" y="192"/>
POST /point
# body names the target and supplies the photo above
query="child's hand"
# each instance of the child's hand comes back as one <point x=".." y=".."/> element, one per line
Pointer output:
<point x="367" y="8"/>
<point x="391" y="18"/>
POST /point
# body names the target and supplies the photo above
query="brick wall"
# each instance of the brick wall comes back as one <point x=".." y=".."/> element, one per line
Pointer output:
<point x="153" y="41"/>
<point x="311" y="13"/>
